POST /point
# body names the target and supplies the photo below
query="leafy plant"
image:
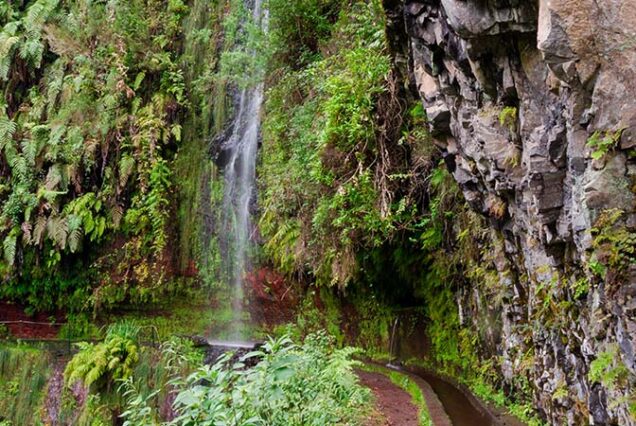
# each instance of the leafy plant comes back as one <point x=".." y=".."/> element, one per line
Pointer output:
<point x="24" y="373"/>
<point x="508" y="118"/>
<point x="88" y="130"/>
<point x="614" y="245"/>
<point x="138" y="412"/>
<point x="105" y="363"/>
<point x="602" y="144"/>
<point x="608" y="369"/>
<point x="291" y="385"/>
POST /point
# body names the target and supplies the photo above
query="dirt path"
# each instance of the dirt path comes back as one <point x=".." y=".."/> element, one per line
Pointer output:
<point x="394" y="403"/>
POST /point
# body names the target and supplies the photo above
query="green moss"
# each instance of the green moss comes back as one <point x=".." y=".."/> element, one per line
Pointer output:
<point x="199" y="184"/>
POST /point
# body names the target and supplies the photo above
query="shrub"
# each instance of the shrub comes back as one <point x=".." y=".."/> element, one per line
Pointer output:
<point x="105" y="363"/>
<point x="308" y="384"/>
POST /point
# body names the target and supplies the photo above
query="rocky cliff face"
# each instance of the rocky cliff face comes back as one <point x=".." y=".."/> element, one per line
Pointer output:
<point x="534" y="105"/>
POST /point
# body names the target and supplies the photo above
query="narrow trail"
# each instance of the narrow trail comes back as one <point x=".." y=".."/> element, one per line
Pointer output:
<point x="394" y="403"/>
<point x="447" y="404"/>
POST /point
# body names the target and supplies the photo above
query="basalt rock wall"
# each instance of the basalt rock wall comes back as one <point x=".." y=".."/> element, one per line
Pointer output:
<point x="534" y="106"/>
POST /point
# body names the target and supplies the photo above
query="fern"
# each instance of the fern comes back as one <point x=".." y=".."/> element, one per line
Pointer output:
<point x="57" y="230"/>
<point x="10" y="245"/>
<point x="8" y="41"/>
<point x="26" y="232"/>
<point x="38" y="230"/>
<point x="75" y="233"/>
<point x="18" y="163"/>
<point x="126" y="167"/>
<point x="53" y="177"/>
<point x="7" y="130"/>
<point x="104" y="363"/>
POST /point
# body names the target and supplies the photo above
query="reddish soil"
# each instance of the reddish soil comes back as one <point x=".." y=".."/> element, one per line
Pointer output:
<point x="394" y="403"/>
<point x="22" y="326"/>
<point x="272" y="300"/>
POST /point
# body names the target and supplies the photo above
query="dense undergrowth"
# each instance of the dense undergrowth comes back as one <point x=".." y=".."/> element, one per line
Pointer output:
<point x="119" y="380"/>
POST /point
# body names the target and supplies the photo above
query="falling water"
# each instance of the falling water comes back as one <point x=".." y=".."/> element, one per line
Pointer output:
<point x="393" y="342"/>
<point x="240" y="182"/>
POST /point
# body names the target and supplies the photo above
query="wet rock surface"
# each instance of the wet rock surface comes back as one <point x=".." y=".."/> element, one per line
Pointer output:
<point x="516" y="93"/>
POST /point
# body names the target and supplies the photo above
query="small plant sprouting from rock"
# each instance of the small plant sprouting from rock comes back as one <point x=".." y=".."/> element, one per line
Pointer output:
<point x="497" y="207"/>
<point x="608" y="369"/>
<point x="580" y="288"/>
<point x="614" y="245"/>
<point x="508" y="118"/>
<point x="602" y="145"/>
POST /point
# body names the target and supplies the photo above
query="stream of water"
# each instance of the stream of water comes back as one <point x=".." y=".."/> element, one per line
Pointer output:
<point x="240" y="182"/>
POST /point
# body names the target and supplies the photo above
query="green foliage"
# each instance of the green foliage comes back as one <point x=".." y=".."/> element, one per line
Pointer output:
<point x="88" y="130"/>
<point x="291" y="385"/>
<point x="95" y="412"/>
<point x="329" y="191"/>
<point x="47" y="290"/>
<point x="198" y="184"/>
<point x="614" y="245"/>
<point x="608" y="368"/>
<point x="104" y="363"/>
<point x="601" y="145"/>
<point x="580" y="288"/>
<point x="523" y="411"/>
<point x="23" y="376"/>
<point x="78" y="326"/>
<point x="508" y="118"/>
<point x="139" y="412"/>
<point x="298" y="29"/>
<point x="246" y="51"/>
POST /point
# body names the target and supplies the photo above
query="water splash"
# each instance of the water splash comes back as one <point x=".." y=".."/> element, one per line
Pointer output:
<point x="240" y="183"/>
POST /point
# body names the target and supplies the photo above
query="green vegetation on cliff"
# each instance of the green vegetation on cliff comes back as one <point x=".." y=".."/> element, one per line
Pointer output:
<point x="89" y="129"/>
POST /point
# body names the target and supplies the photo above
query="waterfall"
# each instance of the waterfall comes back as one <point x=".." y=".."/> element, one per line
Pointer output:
<point x="240" y="182"/>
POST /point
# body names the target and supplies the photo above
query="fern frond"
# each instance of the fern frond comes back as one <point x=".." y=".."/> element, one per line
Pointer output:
<point x="57" y="230"/>
<point x="26" y="232"/>
<point x="10" y="245"/>
<point x="116" y="215"/>
<point x="126" y="167"/>
<point x="7" y="130"/>
<point x="30" y="149"/>
<point x="38" y="231"/>
<point x="53" y="177"/>
<point x="19" y="165"/>
<point x="8" y="42"/>
<point x="75" y="233"/>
